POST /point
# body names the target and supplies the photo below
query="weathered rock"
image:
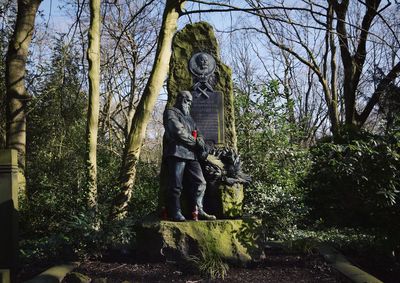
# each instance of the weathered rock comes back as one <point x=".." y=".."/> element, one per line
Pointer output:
<point x="232" y="200"/>
<point x="224" y="201"/>
<point x="235" y="241"/>
<point x="55" y="274"/>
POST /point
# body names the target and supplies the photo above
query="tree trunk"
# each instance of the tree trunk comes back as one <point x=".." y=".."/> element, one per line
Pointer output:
<point x="334" y="113"/>
<point x="16" y="94"/>
<point x="286" y="89"/>
<point x="145" y="108"/>
<point x="93" y="55"/>
<point x="380" y="89"/>
<point x="353" y="63"/>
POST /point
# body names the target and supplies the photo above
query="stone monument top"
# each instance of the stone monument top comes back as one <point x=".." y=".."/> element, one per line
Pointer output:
<point x="196" y="66"/>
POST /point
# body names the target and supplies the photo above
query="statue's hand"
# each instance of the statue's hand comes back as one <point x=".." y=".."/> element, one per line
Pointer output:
<point x="203" y="155"/>
<point x="200" y="142"/>
<point x="202" y="149"/>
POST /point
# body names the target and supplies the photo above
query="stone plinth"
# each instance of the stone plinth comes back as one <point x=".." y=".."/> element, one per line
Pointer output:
<point x="235" y="241"/>
<point x="224" y="201"/>
<point x="232" y="200"/>
<point x="8" y="209"/>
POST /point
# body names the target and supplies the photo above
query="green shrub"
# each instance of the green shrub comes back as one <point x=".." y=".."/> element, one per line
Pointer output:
<point x="281" y="209"/>
<point x="269" y="147"/>
<point x="356" y="183"/>
<point x="145" y="197"/>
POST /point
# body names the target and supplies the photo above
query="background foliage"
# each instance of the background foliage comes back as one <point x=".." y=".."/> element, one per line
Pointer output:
<point x="271" y="154"/>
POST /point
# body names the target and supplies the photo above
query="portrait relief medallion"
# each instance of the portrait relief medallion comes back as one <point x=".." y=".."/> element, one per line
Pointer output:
<point x="202" y="65"/>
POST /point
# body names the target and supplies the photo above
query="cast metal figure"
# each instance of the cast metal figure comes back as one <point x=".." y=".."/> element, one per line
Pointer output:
<point x="183" y="146"/>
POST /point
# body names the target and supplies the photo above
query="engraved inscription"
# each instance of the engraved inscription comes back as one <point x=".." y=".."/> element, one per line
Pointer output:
<point x="209" y="116"/>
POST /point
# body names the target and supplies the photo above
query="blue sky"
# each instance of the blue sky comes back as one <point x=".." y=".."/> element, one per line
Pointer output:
<point x="57" y="17"/>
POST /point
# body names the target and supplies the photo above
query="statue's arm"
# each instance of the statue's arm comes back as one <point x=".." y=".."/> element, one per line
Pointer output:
<point x="178" y="131"/>
<point x="202" y="149"/>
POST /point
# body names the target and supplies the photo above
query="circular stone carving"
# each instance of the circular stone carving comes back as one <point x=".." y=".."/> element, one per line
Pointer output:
<point x="202" y="65"/>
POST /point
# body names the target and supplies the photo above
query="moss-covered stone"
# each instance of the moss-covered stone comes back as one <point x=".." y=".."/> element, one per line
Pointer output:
<point x="235" y="241"/>
<point x="224" y="201"/>
<point x="55" y="274"/>
<point x="232" y="200"/>
<point x="193" y="38"/>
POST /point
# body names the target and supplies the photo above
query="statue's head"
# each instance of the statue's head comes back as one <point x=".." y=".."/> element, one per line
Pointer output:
<point x="184" y="101"/>
<point x="202" y="61"/>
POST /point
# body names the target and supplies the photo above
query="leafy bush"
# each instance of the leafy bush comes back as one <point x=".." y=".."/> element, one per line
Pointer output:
<point x="358" y="179"/>
<point x="351" y="240"/>
<point x="280" y="209"/>
<point x="269" y="148"/>
<point x="145" y="198"/>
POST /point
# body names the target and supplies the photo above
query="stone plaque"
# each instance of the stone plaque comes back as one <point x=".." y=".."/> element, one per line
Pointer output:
<point x="208" y="113"/>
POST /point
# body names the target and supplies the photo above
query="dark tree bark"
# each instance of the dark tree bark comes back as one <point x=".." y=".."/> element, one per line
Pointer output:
<point x="353" y="63"/>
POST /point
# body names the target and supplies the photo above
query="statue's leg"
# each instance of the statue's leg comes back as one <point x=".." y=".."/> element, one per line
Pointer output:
<point x="176" y="168"/>
<point x="198" y="188"/>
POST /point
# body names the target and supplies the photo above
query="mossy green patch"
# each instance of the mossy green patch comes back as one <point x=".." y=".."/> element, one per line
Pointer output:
<point x="232" y="200"/>
<point x="235" y="241"/>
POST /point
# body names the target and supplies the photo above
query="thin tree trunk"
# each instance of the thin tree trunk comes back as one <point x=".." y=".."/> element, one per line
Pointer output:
<point x="145" y="108"/>
<point x="131" y="105"/>
<point x="16" y="94"/>
<point x="380" y="89"/>
<point x="334" y="115"/>
<point x="93" y="55"/>
<point x="286" y="89"/>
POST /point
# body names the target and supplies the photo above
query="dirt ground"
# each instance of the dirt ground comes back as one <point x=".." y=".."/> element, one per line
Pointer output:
<point x="278" y="267"/>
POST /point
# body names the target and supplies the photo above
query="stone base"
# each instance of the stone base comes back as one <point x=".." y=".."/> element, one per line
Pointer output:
<point x="224" y="201"/>
<point x="235" y="241"/>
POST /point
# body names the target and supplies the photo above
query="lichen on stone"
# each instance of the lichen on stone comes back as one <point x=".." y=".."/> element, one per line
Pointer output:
<point x="235" y="241"/>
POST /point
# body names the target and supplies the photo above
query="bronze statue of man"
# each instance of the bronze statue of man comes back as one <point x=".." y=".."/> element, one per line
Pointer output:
<point x="183" y="146"/>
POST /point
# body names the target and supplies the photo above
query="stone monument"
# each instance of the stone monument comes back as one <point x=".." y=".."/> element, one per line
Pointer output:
<point x="196" y="66"/>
